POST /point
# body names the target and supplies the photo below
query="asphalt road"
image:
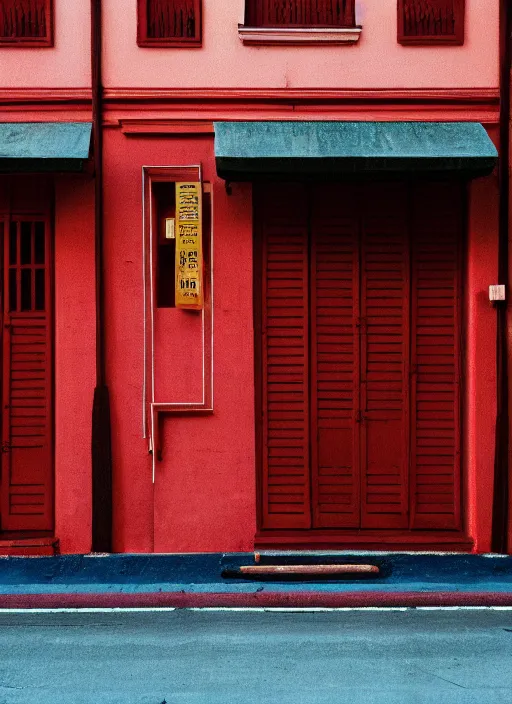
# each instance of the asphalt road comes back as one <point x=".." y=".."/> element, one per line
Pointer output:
<point x="187" y="657"/>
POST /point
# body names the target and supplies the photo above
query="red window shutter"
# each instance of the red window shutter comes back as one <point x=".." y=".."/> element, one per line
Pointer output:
<point x="286" y="482"/>
<point x="169" y="23"/>
<point x="300" y="13"/>
<point x="26" y="22"/>
<point x="385" y="357"/>
<point x="27" y="448"/>
<point x="335" y="357"/>
<point x="431" y="21"/>
<point x="435" y="401"/>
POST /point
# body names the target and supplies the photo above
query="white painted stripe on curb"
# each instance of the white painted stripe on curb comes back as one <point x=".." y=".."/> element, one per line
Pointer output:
<point x="88" y="610"/>
<point x="257" y="609"/>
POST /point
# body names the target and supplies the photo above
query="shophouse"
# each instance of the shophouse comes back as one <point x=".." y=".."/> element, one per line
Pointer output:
<point x="298" y="203"/>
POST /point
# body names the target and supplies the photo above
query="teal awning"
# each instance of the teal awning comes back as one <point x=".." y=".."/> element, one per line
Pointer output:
<point x="245" y="151"/>
<point x="30" y="147"/>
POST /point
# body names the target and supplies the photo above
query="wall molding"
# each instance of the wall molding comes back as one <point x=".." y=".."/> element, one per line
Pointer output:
<point x="187" y="110"/>
<point x="137" y="127"/>
<point x="304" y="95"/>
<point x="48" y="96"/>
<point x="44" y="96"/>
<point x="293" y="36"/>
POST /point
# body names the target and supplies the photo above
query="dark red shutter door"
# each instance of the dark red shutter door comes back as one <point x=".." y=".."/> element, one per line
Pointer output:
<point x="27" y="463"/>
<point x="385" y="357"/>
<point x="435" y="491"/>
<point x="335" y="357"/>
<point x="282" y="210"/>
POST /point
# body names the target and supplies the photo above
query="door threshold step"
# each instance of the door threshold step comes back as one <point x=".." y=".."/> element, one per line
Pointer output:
<point x="29" y="547"/>
<point x="291" y="556"/>
<point x="321" y="571"/>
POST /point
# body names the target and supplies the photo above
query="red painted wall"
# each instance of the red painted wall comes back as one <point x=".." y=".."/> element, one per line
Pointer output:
<point x="479" y="405"/>
<point x="75" y="367"/>
<point x="204" y="495"/>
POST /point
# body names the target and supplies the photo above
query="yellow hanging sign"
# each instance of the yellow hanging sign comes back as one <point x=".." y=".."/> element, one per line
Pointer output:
<point x="189" y="246"/>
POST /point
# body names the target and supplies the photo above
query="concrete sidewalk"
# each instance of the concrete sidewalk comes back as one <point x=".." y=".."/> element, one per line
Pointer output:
<point x="195" y="580"/>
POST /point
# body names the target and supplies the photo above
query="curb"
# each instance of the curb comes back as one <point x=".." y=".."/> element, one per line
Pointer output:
<point x="181" y="600"/>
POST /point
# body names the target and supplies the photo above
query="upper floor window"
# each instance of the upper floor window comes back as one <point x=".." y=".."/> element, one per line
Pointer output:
<point x="431" y="21"/>
<point x="300" y="13"/>
<point x="299" y="22"/>
<point x="169" y="23"/>
<point x="26" y="23"/>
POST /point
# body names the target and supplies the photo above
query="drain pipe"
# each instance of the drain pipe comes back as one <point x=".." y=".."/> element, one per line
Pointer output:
<point x="500" y="518"/>
<point x="101" y="432"/>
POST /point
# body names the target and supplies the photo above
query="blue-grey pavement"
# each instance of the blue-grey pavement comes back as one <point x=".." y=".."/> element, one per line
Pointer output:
<point x="183" y="657"/>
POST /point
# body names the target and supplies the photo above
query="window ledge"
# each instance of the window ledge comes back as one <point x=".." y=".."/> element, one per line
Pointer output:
<point x="298" y="36"/>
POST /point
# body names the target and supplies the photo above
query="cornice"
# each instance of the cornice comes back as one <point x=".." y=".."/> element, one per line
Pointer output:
<point x="468" y="96"/>
<point x="205" y="104"/>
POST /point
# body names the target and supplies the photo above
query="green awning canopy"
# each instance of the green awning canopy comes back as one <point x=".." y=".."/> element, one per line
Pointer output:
<point x="33" y="147"/>
<point x="246" y="151"/>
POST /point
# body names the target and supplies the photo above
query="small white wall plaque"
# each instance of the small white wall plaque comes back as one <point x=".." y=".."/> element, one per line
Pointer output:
<point x="497" y="292"/>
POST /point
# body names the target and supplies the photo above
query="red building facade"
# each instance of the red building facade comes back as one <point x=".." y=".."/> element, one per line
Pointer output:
<point x="337" y="387"/>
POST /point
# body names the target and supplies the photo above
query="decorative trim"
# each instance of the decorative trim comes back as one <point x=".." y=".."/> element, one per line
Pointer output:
<point x="194" y="106"/>
<point x="188" y="110"/>
<point x="304" y="95"/>
<point x="153" y="410"/>
<point x="452" y="96"/>
<point x="45" y="96"/>
<point x="169" y="127"/>
<point x="294" y="36"/>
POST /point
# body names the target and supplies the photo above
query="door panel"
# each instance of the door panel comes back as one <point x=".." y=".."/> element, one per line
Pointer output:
<point x="27" y="456"/>
<point x="385" y="357"/>
<point x="334" y="310"/>
<point x="285" y="332"/>
<point x="435" y="387"/>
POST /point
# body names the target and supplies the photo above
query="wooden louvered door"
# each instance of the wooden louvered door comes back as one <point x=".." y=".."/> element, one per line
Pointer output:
<point x="360" y="345"/>
<point x="27" y="456"/>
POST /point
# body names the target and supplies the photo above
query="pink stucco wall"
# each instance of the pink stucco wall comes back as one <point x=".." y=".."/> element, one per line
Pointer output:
<point x="66" y="65"/>
<point x="377" y="61"/>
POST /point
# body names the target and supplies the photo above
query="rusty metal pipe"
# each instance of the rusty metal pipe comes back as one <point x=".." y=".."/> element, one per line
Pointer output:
<point x="101" y="432"/>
